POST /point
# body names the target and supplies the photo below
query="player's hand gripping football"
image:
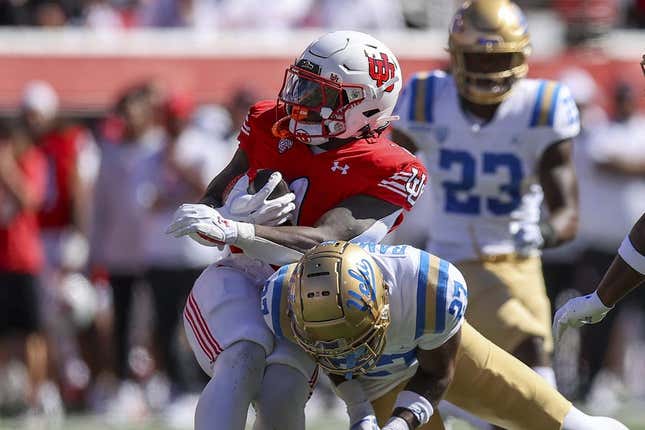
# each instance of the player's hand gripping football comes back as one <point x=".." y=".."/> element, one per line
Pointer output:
<point x="587" y="309"/>
<point x="258" y="208"/>
<point x="204" y="225"/>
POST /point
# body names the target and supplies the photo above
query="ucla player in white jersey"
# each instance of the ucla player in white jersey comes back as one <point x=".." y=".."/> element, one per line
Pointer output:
<point x="497" y="144"/>
<point x="387" y="323"/>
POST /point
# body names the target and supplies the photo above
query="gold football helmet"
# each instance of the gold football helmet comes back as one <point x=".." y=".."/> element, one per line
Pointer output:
<point x="483" y="31"/>
<point x="339" y="307"/>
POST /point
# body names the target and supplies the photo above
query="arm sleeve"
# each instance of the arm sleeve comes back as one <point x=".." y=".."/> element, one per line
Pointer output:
<point x="449" y="303"/>
<point x="555" y="116"/>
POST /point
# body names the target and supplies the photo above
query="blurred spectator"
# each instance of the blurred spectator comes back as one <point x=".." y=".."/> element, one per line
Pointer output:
<point x="238" y="107"/>
<point x="102" y="14"/>
<point x="616" y="174"/>
<point x="587" y="19"/>
<point x="120" y="198"/>
<point x="22" y="186"/>
<point x="72" y="160"/>
<point x="178" y="172"/>
<point x="356" y="14"/>
<point x="635" y="14"/>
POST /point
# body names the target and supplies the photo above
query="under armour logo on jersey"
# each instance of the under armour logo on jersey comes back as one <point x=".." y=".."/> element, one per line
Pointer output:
<point x="284" y="145"/>
<point x="337" y="166"/>
<point x="381" y="70"/>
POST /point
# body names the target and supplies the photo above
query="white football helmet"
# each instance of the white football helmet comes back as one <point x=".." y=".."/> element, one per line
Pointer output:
<point x="344" y="86"/>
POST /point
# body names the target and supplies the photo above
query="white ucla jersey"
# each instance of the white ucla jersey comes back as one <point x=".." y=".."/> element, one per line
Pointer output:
<point x="427" y="297"/>
<point x="483" y="176"/>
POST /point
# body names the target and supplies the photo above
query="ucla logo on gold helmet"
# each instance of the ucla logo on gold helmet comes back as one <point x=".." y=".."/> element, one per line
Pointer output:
<point x="364" y="274"/>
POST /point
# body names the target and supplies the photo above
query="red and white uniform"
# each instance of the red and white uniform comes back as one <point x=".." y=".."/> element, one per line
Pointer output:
<point x="224" y="305"/>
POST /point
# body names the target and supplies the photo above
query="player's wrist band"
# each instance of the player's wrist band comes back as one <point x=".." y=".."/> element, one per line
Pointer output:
<point x="548" y="234"/>
<point x="632" y="257"/>
<point x="397" y="423"/>
<point x="595" y="298"/>
<point x="245" y="233"/>
<point x="415" y="403"/>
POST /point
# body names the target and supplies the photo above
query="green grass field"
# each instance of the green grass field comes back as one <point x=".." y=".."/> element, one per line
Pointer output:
<point x="632" y="420"/>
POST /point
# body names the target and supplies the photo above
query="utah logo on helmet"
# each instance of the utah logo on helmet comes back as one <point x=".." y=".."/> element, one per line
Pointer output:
<point x="488" y="27"/>
<point x="339" y="307"/>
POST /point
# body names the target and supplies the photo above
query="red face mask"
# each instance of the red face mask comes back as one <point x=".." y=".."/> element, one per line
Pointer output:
<point x="315" y="106"/>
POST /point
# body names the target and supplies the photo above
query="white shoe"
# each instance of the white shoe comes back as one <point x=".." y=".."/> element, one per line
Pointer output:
<point x="180" y="414"/>
<point x="128" y="406"/>
<point x="607" y="394"/>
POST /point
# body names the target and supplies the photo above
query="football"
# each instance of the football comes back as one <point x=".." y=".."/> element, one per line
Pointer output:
<point x="261" y="178"/>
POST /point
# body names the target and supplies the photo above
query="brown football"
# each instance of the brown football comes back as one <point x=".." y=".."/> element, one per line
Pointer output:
<point x="260" y="180"/>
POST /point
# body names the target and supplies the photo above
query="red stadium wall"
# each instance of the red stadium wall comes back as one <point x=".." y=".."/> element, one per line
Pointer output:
<point x="94" y="82"/>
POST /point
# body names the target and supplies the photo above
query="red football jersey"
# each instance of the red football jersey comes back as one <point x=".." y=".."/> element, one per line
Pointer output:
<point x="374" y="166"/>
<point x="61" y="148"/>
<point x="20" y="247"/>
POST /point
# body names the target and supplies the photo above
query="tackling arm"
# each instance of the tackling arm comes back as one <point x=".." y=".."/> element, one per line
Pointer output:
<point x="621" y="277"/>
<point x="558" y="180"/>
<point x="347" y="221"/>
<point x="359" y="217"/>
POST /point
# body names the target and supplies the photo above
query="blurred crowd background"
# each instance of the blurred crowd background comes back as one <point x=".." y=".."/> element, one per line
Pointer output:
<point x="228" y="14"/>
<point x="89" y="184"/>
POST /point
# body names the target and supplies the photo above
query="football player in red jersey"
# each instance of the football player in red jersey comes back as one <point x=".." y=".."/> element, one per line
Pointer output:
<point x="324" y="137"/>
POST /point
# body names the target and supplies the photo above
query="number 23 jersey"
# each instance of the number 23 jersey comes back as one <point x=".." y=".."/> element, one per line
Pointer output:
<point x="427" y="298"/>
<point x="484" y="176"/>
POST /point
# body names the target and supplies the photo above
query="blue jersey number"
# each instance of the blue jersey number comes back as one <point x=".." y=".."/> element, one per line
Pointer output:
<point x="459" y="196"/>
<point x="457" y="307"/>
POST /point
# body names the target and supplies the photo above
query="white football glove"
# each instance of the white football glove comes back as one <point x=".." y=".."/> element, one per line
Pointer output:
<point x="255" y="208"/>
<point x="527" y="237"/>
<point x="581" y="310"/>
<point x="205" y="225"/>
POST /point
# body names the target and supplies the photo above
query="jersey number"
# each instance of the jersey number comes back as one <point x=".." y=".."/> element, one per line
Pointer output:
<point x="457" y="307"/>
<point x="459" y="196"/>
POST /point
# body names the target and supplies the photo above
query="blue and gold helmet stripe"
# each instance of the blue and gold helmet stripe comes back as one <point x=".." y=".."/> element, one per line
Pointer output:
<point x="545" y="104"/>
<point x="277" y="305"/>
<point x="429" y="276"/>
<point x="421" y="98"/>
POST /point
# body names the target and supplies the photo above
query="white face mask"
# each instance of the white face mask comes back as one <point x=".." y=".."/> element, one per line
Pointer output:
<point x="304" y="131"/>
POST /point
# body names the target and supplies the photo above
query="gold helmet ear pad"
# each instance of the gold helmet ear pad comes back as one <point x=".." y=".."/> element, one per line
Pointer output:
<point x="489" y="27"/>
<point x="339" y="307"/>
